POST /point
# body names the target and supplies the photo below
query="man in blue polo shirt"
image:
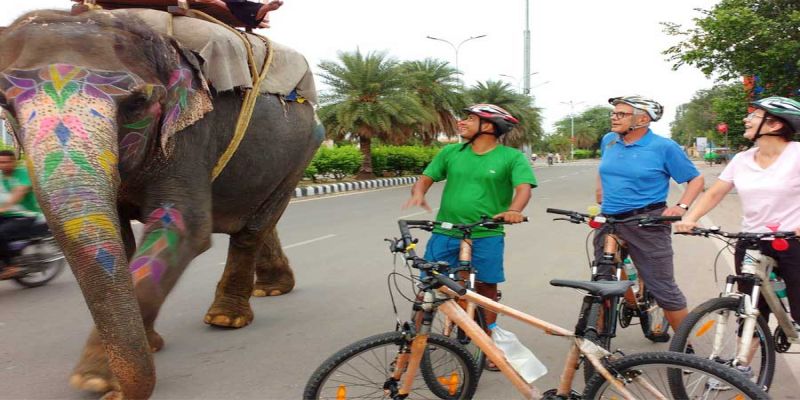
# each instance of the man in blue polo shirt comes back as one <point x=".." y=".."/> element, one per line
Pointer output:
<point x="633" y="179"/>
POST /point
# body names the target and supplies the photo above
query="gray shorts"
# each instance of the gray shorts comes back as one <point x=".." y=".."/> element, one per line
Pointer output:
<point x="650" y="249"/>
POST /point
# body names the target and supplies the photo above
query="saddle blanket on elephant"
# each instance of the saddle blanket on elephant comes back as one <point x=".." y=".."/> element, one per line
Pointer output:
<point x="224" y="55"/>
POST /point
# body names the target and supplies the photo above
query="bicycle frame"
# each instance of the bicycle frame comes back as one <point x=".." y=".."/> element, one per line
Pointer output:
<point x="761" y="267"/>
<point x="410" y="362"/>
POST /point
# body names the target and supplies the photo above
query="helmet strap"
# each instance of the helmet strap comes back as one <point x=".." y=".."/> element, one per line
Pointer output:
<point x="758" y="131"/>
<point x="480" y="132"/>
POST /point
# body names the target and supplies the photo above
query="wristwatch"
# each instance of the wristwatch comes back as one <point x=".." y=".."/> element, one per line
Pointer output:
<point x="683" y="206"/>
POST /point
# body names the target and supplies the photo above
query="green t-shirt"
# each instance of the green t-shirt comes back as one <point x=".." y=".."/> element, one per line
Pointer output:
<point x="28" y="207"/>
<point x="477" y="184"/>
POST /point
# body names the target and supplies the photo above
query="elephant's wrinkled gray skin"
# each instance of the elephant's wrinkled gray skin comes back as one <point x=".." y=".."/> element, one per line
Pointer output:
<point x="116" y="126"/>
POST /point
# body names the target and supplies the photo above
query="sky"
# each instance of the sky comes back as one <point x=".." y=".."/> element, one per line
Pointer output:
<point x="584" y="51"/>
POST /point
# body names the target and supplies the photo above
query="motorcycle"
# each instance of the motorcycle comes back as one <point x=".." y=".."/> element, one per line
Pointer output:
<point x="37" y="257"/>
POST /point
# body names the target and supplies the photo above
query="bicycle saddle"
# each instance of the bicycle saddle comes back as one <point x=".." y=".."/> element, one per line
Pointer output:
<point x="602" y="289"/>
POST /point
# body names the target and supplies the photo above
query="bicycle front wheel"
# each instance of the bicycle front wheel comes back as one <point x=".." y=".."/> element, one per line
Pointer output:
<point x="363" y="370"/>
<point x="671" y="375"/>
<point x="719" y="320"/>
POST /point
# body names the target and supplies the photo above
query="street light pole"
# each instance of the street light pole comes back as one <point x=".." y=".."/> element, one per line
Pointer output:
<point x="526" y="71"/>
<point x="456" y="49"/>
<point x="572" y="105"/>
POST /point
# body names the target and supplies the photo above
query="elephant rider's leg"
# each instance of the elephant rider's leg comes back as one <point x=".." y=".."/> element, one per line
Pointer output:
<point x="231" y="306"/>
<point x="274" y="276"/>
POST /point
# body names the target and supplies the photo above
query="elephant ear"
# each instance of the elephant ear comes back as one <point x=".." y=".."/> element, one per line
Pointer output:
<point x="188" y="97"/>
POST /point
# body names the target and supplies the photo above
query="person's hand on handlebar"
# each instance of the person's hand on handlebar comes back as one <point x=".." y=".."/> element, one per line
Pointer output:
<point x="674" y="211"/>
<point x="684" y="226"/>
<point x="510" y="216"/>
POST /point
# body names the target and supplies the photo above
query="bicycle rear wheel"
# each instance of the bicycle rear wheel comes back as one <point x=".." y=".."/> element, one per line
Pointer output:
<point x="363" y="370"/>
<point x="672" y="376"/>
<point x="702" y="326"/>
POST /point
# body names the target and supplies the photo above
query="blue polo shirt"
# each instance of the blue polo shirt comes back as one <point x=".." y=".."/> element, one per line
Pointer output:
<point x="637" y="174"/>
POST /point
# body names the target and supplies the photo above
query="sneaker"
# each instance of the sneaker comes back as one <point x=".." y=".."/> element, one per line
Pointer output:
<point x="746" y="371"/>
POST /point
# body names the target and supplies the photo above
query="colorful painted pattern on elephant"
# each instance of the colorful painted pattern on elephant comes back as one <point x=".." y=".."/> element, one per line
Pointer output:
<point x="165" y="228"/>
<point x="70" y="127"/>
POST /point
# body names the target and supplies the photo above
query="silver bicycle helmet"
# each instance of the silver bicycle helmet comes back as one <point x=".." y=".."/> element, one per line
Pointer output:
<point x="650" y="106"/>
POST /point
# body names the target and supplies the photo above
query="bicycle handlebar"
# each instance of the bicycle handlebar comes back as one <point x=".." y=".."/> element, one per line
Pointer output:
<point x="706" y="232"/>
<point x="576" y="217"/>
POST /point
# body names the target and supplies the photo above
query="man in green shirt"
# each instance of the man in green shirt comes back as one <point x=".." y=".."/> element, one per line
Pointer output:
<point x="483" y="178"/>
<point x="18" y="208"/>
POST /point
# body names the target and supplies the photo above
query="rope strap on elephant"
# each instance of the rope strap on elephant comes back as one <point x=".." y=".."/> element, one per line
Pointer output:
<point x="250" y="97"/>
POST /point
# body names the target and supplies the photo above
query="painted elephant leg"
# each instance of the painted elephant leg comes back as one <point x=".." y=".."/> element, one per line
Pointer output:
<point x="231" y="307"/>
<point x="274" y="276"/>
<point x="169" y="243"/>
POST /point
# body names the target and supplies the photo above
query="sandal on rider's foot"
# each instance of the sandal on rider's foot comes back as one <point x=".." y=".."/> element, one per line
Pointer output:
<point x="9" y="272"/>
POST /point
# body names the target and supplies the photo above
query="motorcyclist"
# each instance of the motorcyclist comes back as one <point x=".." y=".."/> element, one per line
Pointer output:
<point x="19" y="210"/>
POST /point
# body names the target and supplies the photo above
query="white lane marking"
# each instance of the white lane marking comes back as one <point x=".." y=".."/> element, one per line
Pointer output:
<point x="308" y="241"/>
<point x="419" y="213"/>
<point x="364" y="191"/>
<point x="545" y="181"/>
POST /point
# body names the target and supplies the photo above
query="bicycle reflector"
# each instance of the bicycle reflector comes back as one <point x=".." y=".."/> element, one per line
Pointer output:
<point x="596" y="222"/>
<point x="780" y="244"/>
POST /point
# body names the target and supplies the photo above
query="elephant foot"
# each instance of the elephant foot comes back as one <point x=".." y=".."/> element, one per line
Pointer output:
<point x="274" y="284"/>
<point x="155" y="340"/>
<point x="229" y="313"/>
<point x="92" y="373"/>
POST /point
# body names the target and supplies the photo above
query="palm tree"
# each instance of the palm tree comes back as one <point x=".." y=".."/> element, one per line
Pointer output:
<point x="519" y="105"/>
<point x="437" y="85"/>
<point x="367" y="98"/>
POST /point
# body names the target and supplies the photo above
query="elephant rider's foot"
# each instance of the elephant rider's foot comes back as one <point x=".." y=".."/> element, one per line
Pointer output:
<point x="92" y="372"/>
<point x="229" y="312"/>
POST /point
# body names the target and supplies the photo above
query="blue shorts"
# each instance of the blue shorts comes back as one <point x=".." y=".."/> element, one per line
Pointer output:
<point x="487" y="255"/>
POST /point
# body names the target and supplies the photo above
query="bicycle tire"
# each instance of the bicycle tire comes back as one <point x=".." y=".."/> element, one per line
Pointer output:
<point x="652" y="314"/>
<point x="604" y="342"/>
<point x="459" y="336"/>
<point x="318" y="382"/>
<point x="679" y="385"/>
<point x="680" y="340"/>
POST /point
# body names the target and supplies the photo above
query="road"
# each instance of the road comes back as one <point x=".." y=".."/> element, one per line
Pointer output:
<point x="335" y="244"/>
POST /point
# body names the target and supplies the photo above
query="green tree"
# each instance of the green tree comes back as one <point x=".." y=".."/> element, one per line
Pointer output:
<point x="708" y="108"/>
<point x="367" y="99"/>
<point x="738" y="38"/>
<point x="590" y="126"/>
<point x="436" y="83"/>
<point x="519" y="105"/>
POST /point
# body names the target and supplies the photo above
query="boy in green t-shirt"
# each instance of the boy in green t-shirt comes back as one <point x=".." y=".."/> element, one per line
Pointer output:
<point x="483" y="178"/>
<point x="18" y="208"/>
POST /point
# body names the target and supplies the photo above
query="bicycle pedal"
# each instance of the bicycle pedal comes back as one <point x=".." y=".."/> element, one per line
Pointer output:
<point x="662" y="337"/>
<point x="551" y="395"/>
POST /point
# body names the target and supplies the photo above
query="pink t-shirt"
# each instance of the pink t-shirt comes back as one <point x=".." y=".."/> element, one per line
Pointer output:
<point x="770" y="195"/>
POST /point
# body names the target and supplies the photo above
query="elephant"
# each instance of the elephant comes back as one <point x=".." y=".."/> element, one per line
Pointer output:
<point x="117" y="124"/>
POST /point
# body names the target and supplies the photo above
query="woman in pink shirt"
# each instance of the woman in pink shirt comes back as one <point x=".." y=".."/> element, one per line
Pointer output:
<point x="767" y="179"/>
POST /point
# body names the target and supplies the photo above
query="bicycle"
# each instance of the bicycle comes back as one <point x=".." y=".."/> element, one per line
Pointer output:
<point x="723" y="329"/>
<point x="464" y="273"/>
<point x="603" y="316"/>
<point x="386" y="365"/>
